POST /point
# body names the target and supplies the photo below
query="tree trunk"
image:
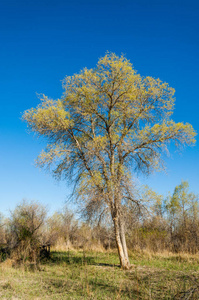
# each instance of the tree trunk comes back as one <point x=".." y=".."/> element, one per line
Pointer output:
<point x="121" y="243"/>
<point x="123" y="240"/>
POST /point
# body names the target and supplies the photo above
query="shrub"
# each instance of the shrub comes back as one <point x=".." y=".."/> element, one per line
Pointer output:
<point x="24" y="231"/>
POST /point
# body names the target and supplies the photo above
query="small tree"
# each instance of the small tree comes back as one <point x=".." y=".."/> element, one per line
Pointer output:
<point x="109" y="122"/>
<point x="25" y="230"/>
<point x="183" y="214"/>
<point x="2" y="229"/>
<point x="62" y="226"/>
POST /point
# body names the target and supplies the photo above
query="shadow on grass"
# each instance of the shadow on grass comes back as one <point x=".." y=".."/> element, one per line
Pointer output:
<point x="81" y="280"/>
<point x="115" y="291"/>
<point x="70" y="258"/>
<point x="107" y="265"/>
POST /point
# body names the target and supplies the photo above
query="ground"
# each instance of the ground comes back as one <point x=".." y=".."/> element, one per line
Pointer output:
<point x="97" y="275"/>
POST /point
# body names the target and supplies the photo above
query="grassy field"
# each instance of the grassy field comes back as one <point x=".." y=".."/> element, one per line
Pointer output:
<point x="95" y="275"/>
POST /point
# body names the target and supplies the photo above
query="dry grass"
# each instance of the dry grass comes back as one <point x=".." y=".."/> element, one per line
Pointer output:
<point x="61" y="245"/>
<point x="96" y="275"/>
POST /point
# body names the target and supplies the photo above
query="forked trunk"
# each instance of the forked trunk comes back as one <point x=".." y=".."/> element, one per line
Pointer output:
<point x="123" y="239"/>
<point x="121" y="244"/>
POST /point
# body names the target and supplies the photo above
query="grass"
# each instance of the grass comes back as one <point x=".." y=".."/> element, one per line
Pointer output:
<point x="96" y="275"/>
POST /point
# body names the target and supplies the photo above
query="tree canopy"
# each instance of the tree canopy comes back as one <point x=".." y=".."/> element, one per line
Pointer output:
<point x="109" y="122"/>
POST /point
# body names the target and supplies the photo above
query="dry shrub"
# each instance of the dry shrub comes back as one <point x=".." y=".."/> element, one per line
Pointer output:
<point x="24" y="232"/>
<point x="62" y="245"/>
<point x="8" y="263"/>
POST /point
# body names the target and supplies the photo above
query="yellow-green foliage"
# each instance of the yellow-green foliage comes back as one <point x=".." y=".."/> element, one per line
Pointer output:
<point x="108" y="118"/>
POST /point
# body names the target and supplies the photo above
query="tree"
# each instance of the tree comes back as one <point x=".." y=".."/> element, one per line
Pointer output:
<point x="24" y="230"/>
<point x="2" y="229"/>
<point x="180" y="202"/>
<point x="109" y="122"/>
<point x="62" y="227"/>
<point x="182" y="211"/>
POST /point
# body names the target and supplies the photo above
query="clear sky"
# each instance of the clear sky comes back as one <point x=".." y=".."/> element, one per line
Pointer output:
<point x="42" y="41"/>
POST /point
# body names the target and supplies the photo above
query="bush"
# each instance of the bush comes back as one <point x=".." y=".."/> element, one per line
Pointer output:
<point x="24" y="231"/>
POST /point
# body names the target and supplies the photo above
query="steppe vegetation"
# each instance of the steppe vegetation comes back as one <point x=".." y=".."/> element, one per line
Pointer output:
<point x="127" y="242"/>
<point x="84" y="262"/>
<point x="96" y="275"/>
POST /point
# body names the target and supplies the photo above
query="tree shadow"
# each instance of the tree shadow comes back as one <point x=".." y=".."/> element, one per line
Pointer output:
<point x="69" y="258"/>
<point x="107" y="265"/>
<point x="125" y="292"/>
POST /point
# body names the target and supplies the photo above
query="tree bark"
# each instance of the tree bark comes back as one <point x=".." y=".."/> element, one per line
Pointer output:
<point x="123" y="240"/>
<point x="121" y="243"/>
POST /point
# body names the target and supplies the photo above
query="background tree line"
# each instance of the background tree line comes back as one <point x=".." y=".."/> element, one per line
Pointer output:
<point x="170" y="224"/>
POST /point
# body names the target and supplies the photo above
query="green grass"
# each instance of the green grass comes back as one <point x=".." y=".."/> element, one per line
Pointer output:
<point x="94" y="275"/>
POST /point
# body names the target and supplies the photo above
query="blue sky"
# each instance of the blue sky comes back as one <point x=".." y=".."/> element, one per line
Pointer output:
<point x="43" y="41"/>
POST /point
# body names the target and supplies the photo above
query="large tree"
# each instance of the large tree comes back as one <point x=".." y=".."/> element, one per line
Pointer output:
<point x="109" y="122"/>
